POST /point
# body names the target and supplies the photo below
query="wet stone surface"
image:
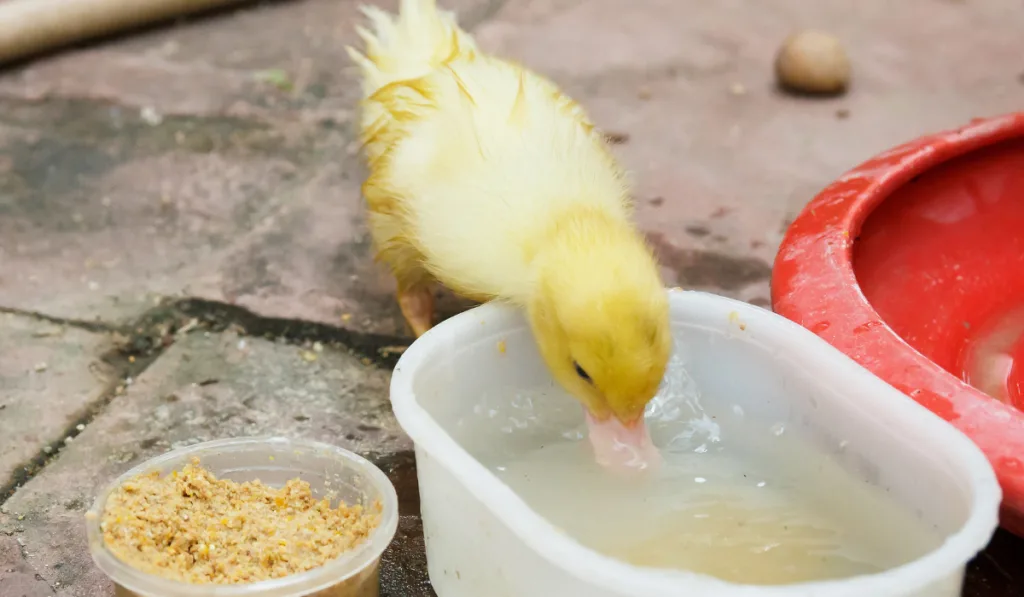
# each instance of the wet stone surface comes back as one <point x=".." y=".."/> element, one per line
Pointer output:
<point x="997" y="571"/>
<point x="203" y="176"/>
<point x="404" y="567"/>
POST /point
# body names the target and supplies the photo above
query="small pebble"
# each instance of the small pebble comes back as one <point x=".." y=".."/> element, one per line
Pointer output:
<point x="615" y="138"/>
<point x="40" y="367"/>
<point x="80" y="427"/>
<point x="150" y="116"/>
<point x="812" y="62"/>
<point x="386" y="351"/>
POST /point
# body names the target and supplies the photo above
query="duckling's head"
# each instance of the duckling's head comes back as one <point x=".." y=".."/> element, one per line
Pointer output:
<point x="599" y="313"/>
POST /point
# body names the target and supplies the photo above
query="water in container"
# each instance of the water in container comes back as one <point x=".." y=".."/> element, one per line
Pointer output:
<point x="735" y="497"/>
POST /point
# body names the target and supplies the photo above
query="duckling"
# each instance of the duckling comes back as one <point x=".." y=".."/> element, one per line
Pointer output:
<point x="486" y="178"/>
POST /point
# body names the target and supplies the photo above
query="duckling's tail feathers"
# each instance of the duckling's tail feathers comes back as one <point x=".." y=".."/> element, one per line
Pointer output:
<point x="409" y="45"/>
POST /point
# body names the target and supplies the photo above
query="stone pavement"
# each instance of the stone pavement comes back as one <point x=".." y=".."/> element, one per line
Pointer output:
<point x="182" y="249"/>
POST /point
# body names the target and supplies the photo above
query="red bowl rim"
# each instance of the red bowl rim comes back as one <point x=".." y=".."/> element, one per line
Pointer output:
<point x="813" y="283"/>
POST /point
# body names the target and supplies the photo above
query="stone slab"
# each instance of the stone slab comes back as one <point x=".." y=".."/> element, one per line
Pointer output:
<point x="206" y="386"/>
<point x="207" y="160"/>
<point x="101" y="211"/>
<point x="50" y="377"/>
<point x="185" y="169"/>
<point x="17" y="577"/>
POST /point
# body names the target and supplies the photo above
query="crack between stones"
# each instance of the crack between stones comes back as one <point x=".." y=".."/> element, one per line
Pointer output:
<point x="89" y="326"/>
<point x="381" y="350"/>
<point x="129" y="368"/>
<point x="140" y="344"/>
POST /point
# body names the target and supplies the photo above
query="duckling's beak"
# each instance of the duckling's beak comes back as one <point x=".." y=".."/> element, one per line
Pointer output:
<point x="622" y="445"/>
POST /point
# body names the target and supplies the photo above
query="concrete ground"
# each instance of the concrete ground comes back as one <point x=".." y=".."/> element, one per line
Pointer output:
<point x="182" y="248"/>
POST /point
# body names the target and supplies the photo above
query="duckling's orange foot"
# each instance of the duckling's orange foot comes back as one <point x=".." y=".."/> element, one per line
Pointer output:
<point x="417" y="305"/>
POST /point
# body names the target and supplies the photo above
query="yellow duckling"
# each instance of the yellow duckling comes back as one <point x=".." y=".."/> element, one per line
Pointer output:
<point x="485" y="178"/>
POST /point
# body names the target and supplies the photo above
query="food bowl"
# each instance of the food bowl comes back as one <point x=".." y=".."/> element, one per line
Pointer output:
<point x="329" y="470"/>
<point x="913" y="265"/>
<point x="482" y="538"/>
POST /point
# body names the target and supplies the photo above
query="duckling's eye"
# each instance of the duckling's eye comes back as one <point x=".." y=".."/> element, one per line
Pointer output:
<point x="579" y="371"/>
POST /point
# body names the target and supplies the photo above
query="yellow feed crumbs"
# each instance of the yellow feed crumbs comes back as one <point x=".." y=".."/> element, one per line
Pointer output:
<point x="190" y="526"/>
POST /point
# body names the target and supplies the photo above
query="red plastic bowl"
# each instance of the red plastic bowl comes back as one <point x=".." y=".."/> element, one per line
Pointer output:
<point x="913" y="265"/>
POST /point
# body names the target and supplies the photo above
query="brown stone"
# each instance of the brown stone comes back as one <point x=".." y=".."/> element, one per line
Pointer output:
<point x="17" y="577"/>
<point x="50" y="376"/>
<point x="812" y="62"/>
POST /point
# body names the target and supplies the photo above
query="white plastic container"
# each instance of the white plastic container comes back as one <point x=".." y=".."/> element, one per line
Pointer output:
<point x="484" y="541"/>
<point x="329" y="470"/>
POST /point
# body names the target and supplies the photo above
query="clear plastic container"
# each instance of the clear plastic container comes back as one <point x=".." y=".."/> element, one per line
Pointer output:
<point x="483" y="539"/>
<point x="274" y="460"/>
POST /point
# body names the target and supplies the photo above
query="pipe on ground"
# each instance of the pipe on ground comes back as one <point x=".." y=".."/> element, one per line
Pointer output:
<point x="29" y="27"/>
